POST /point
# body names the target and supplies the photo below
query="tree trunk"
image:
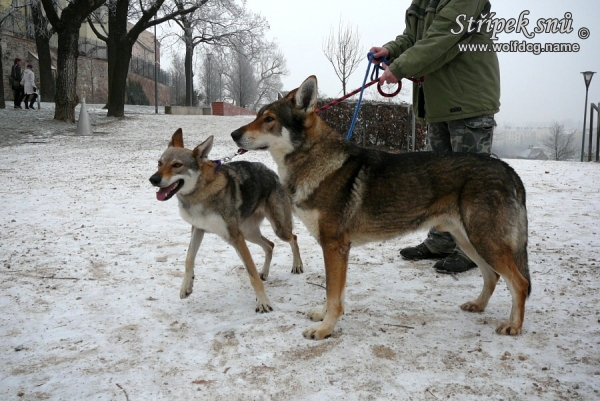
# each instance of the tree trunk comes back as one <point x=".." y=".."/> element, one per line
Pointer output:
<point x="118" y="81"/>
<point x="66" y="81"/>
<point x="2" y="103"/>
<point x="42" y="41"/>
<point x="47" y="90"/>
<point x="67" y="27"/>
<point x="189" y="73"/>
<point x="117" y="28"/>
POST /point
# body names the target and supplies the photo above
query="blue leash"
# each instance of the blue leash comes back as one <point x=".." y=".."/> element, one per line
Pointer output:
<point x="371" y="56"/>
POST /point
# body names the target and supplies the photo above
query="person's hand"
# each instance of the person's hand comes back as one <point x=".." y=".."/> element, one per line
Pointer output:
<point x="387" y="76"/>
<point x="379" y="52"/>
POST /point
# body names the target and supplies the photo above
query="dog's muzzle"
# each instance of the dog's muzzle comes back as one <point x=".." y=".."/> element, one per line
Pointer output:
<point x="155" y="179"/>
<point x="165" y="193"/>
<point x="237" y="135"/>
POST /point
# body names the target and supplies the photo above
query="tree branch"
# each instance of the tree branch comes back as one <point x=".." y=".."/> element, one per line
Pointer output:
<point x="51" y="14"/>
<point x="98" y="34"/>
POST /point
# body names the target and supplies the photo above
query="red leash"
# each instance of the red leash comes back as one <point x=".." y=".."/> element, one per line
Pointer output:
<point x="381" y="92"/>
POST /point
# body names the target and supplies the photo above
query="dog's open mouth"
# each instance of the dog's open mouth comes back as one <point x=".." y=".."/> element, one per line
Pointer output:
<point x="167" y="193"/>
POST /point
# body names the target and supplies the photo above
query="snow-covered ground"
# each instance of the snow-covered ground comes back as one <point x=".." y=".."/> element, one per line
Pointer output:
<point x="91" y="264"/>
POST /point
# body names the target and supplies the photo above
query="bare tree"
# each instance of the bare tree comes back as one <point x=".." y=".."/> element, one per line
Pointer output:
<point x="178" y="79"/>
<point x="4" y="15"/>
<point x="343" y="51"/>
<point x="559" y="144"/>
<point x="270" y="64"/>
<point x="212" y="78"/>
<point x="43" y="33"/>
<point x="219" y="23"/>
<point x="120" y="39"/>
<point x="67" y="27"/>
<point x="241" y="80"/>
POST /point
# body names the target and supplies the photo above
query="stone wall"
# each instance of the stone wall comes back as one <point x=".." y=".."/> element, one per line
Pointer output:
<point x="92" y="74"/>
<point x="226" y="109"/>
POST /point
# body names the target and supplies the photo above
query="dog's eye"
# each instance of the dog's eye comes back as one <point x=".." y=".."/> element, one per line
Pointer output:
<point x="268" y="119"/>
<point x="159" y="163"/>
<point x="177" y="165"/>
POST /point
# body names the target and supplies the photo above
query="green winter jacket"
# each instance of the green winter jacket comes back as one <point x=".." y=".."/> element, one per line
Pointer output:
<point x="457" y="84"/>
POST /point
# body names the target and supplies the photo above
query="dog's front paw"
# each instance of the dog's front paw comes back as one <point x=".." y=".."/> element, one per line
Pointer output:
<point x="317" y="332"/>
<point x="317" y="314"/>
<point x="508" y="329"/>
<point x="471" y="307"/>
<point x="298" y="268"/>
<point x="186" y="287"/>
<point x="263" y="305"/>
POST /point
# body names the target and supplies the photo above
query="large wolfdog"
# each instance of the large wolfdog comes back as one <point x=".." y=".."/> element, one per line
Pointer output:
<point x="346" y="194"/>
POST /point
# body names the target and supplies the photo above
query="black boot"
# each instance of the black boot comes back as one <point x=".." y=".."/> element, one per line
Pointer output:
<point x="420" y="252"/>
<point x="455" y="263"/>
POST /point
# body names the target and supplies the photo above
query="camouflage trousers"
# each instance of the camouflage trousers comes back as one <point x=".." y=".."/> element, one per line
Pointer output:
<point x="469" y="135"/>
<point x="472" y="135"/>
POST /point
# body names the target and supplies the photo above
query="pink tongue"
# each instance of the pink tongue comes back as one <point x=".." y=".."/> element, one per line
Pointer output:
<point x="162" y="194"/>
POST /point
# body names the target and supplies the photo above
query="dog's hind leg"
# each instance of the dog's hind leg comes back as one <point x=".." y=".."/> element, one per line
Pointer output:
<point x="279" y="215"/>
<point x="490" y="277"/>
<point x="518" y="285"/>
<point x="297" y="266"/>
<point x="263" y="305"/>
<point x="190" y="260"/>
<point x="335" y="253"/>
<point x="497" y="260"/>
<point x="257" y="238"/>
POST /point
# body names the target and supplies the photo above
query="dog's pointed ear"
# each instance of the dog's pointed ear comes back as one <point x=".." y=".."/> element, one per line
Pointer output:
<point x="201" y="151"/>
<point x="306" y="95"/>
<point x="177" y="139"/>
<point x="279" y="96"/>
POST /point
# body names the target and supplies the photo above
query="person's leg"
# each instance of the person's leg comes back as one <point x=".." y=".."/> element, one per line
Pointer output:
<point x="471" y="135"/>
<point x="17" y="97"/>
<point x="21" y="95"/>
<point x="439" y="138"/>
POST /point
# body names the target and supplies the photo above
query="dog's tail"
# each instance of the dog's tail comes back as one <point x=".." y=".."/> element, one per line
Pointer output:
<point x="520" y="253"/>
<point x="522" y="263"/>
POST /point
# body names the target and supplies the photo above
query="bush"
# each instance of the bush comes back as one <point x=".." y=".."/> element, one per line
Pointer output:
<point x="384" y="126"/>
<point x="135" y="94"/>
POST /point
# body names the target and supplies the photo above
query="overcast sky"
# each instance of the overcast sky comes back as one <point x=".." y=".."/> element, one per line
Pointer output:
<point x="536" y="89"/>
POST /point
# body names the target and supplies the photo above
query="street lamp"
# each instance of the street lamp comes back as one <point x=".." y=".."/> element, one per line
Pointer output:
<point x="587" y="77"/>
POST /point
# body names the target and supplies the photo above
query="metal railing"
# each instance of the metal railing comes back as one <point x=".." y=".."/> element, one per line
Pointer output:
<point x="145" y="68"/>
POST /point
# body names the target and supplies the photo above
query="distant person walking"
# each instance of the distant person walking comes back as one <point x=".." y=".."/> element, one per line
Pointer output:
<point x="15" y="82"/>
<point x="29" y="87"/>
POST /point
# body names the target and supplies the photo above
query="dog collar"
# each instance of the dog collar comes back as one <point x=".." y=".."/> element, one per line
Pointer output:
<point x="219" y="164"/>
<point x="227" y="159"/>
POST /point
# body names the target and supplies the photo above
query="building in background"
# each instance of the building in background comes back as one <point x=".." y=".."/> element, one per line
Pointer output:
<point x="18" y="40"/>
